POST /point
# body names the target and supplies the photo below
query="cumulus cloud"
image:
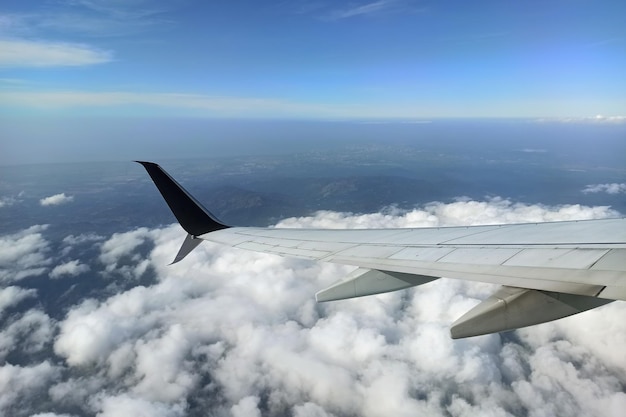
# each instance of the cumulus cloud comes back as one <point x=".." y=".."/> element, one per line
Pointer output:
<point x="82" y="238"/>
<point x="494" y="211"/>
<point x="71" y="268"/>
<point x="26" y="333"/>
<point x="230" y="332"/>
<point x="55" y="200"/>
<point x="23" y="384"/>
<point x="23" y="254"/>
<point x="117" y="253"/>
<point x="28" y="53"/>
<point x="612" y="188"/>
<point x="72" y="241"/>
<point x="11" y="296"/>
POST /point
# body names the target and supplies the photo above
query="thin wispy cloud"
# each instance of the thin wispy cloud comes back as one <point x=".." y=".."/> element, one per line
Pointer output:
<point x="205" y="103"/>
<point x="86" y="18"/>
<point x="7" y="201"/>
<point x="332" y="11"/>
<point x="25" y="53"/>
<point x="360" y="10"/>
<point x="533" y="150"/>
<point x="95" y="25"/>
<point x="611" y="188"/>
<point x="618" y="119"/>
<point x="135" y="9"/>
<point x="605" y="41"/>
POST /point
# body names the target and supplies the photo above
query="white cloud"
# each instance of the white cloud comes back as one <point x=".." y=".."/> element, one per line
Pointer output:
<point x="494" y="211"/>
<point x="128" y="405"/>
<point x="240" y="333"/>
<point x="7" y="201"/>
<point x="608" y="119"/>
<point x="26" y="53"/>
<point x="81" y="239"/>
<point x="55" y="200"/>
<point x="22" y="384"/>
<point x="51" y="415"/>
<point x="612" y="188"/>
<point x="26" y="333"/>
<point x="23" y="254"/>
<point x="71" y="241"/>
<point x="11" y="296"/>
<point x="247" y="407"/>
<point x="71" y="268"/>
<point x="117" y="253"/>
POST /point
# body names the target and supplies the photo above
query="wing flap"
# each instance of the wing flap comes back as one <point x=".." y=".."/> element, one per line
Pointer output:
<point x="557" y="258"/>
<point x="585" y="282"/>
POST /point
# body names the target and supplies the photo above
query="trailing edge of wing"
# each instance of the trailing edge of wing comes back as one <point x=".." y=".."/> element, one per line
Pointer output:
<point x="192" y="216"/>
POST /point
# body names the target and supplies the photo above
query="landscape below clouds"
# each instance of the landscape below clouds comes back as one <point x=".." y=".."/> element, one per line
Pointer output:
<point x="94" y="322"/>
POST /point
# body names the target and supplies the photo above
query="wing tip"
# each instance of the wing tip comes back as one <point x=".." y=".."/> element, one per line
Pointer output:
<point x="190" y="213"/>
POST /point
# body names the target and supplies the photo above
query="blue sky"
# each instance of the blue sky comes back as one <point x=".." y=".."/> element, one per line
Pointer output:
<point x="313" y="59"/>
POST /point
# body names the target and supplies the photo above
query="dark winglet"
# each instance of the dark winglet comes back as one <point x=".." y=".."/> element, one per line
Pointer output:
<point x="191" y="215"/>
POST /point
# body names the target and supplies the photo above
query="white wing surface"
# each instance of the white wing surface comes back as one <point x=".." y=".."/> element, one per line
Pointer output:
<point x="580" y="257"/>
<point x="547" y="270"/>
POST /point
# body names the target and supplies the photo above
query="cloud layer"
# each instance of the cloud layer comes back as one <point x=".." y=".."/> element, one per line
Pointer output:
<point x="235" y="333"/>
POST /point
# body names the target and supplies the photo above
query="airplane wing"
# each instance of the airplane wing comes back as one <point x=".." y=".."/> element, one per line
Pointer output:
<point x="547" y="270"/>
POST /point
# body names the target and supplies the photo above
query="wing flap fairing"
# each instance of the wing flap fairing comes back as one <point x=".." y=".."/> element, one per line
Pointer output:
<point x="363" y="282"/>
<point x="512" y="308"/>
